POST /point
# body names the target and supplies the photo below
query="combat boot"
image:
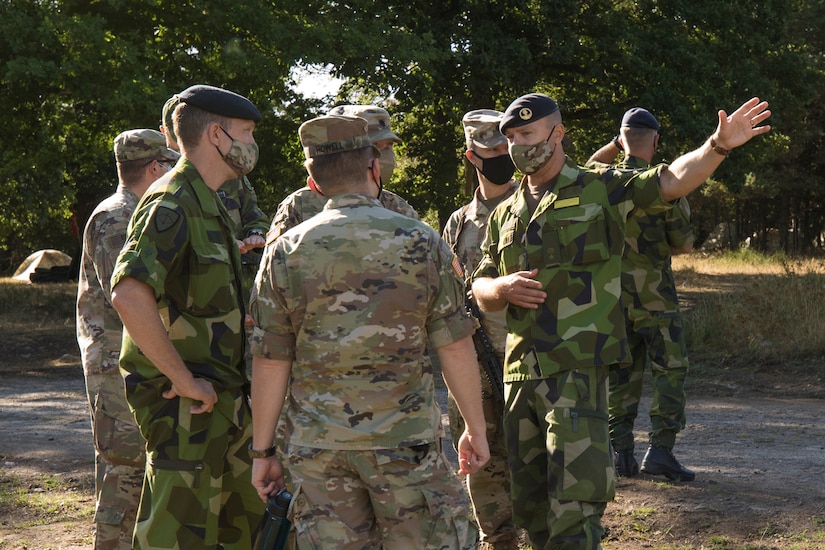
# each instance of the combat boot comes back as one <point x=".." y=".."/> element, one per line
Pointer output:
<point x="659" y="461"/>
<point x="626" y="465"/>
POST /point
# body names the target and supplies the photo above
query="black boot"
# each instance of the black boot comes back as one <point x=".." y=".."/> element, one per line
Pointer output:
<point x="626" y="465"/>
<point x="659" y="461"/>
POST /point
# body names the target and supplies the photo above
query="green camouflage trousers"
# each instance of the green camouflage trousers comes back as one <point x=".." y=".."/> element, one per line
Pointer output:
<point x="120" y="455"/>
<point x="198" y="491"/>
<point x="383" y="498"/>
<point x="490" y="487"/>
<point x="656" y="339"/>
<point x="559" y="457"/>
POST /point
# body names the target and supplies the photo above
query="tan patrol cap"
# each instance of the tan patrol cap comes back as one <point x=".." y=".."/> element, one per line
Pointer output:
<point x="141" y="144"/>
<point x="481" y="128"/>
<point x="378" y="120"/>
<point x="326" y="135"/>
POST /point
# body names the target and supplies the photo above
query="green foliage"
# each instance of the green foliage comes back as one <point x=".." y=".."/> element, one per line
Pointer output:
<point x="73" y="74"/>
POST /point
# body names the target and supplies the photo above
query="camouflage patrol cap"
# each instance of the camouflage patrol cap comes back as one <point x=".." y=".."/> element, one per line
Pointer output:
<point x="166" y="115"/>
<point x="526" y="109"/>
<point x="142" y="144"/>
<point x="481" y="128"/>
<point x="378" y="120"/>
<point x="330" y="134"/>
<point x="220" y="102"/>
<point x="638" y="117"/>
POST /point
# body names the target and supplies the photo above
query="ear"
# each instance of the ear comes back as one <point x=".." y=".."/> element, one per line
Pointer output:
<point x="213" y="133"/>
<point x="314" y="186"/>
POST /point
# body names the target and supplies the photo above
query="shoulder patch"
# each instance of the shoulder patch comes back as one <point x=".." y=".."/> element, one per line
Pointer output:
<point x="165" y="218"/>
<point x="457" y="267"/>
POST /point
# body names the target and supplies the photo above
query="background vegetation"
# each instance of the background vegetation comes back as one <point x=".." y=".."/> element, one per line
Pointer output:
<point x="75" y="73"/>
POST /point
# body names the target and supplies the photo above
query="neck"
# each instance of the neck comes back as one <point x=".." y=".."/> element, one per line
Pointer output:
<point x="647" y="157"/>
<point x="212" y="168"/>
<point x="489" y="190"/>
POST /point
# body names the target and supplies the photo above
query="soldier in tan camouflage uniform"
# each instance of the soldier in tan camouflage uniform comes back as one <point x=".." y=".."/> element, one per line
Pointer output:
<point x="489" y="487"/>
<point x="177" y="288"/>
<point x="654" y="322"/>
<point x="120" y="451"/>
<point x="552" y="258"/>
<point x="305" y="203"/>
<point x="345" y="307"/>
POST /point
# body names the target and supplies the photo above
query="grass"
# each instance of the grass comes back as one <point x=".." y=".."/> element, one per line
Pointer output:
<point x="42" y="500"/>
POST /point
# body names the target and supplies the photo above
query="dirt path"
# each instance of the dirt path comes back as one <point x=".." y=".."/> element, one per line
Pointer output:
<point x="759" y="465"/>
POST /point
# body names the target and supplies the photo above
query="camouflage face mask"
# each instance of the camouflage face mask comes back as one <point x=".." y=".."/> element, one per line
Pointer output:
<point x="530" y="158"/>
<point x="242" y="157"/>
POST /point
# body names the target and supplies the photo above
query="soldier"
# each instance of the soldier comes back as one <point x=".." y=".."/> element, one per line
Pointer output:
<point x="120" y="451"/>
<point x="652" y="316"/>
<point x="305" y="203"/>
<point x="176" y="286"/>
<point x="345" y="306"/>
<point x="552" y="257"/>
<point x="489" y="487"/>
<point x="237" y="194"/>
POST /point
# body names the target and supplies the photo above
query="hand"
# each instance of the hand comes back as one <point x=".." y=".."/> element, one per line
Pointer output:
<point x="267" y="476"/>
<point x="254" y="241"/>
<point x="198" y="389"/>
<point x="473" y="453"/>
<point x="521" y="289"/>
<point x="743" y="124"/>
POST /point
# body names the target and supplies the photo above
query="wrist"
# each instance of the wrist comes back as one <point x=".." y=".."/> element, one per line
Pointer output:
<point x="261" y="453"/>
<point x="717" y="148"/>
<point x="616" y="142"/>
<point x="256" y="232"/>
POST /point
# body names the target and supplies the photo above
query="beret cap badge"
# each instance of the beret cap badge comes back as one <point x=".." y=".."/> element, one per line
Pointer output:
<point x="525" y="114"/>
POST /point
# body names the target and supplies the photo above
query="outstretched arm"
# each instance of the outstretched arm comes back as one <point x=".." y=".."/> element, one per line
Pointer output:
<point x="689" y="171"/>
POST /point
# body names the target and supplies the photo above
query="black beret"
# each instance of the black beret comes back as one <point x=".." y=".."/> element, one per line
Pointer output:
<point x="526" y="109"/>
<point x="220" y="102"/>
<point x="639" y="118"/>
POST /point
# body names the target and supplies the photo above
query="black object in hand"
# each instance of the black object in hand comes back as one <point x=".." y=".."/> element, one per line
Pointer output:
<point x="273" y="530"/>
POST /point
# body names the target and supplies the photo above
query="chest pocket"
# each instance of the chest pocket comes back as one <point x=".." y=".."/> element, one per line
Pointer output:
<point x="579" y="235"/>
<point x="210" y="284"/>
<point x="511" y="256"/>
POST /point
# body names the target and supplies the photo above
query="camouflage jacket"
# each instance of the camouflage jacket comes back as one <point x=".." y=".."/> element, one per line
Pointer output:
<point x="647" y="277"/>
<point x="575" y="238"/>
<point x="180" y="243"/>
<point x="352" y="298"/>
<point x="99" y="330"/>
<point x="241" y="203"/>
<point x="304" y="203"/>
<point x="464" y="234"/>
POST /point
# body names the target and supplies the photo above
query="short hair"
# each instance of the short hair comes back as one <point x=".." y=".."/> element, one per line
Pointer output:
<point x="637" y="137"/>
<point x="190" y="122"/>
<point x="335" y="171"/>
<point x="131" y="171"/>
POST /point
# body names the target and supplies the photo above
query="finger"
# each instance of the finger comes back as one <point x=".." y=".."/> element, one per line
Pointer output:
<point x="170" y="394"/>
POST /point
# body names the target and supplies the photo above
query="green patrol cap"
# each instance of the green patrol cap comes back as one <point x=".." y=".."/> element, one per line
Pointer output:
<point x="326" y="135"/>
<point x="141" y="144"/>
<point x="378" y="120"/>
<point x="166" y="115"/>
<point x="481" y="128"/>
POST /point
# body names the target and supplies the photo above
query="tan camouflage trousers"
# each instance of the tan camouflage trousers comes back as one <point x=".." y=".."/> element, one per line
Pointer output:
<point x="198" y="491"/>
<point x="120" y="455"/>
<point x="393" y="498"/>
<point x="489" y="488"/>
<point x="560" y="459"/>
<point x="655" y="339"/>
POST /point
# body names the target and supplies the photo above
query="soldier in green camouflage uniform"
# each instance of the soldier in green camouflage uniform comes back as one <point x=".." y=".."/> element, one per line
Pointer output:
<point x="654" y="322"/>
<point x="552" y="257"/>
<point x="238" y="195"/>
<point x="176" y="286"/>
<point x="304" y="203"/>
<point x="120" y="451"/>
<point x="489" y="487"/>
<point x="345" y="307"/>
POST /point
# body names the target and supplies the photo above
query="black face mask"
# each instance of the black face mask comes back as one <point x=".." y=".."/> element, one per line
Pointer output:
<point x="498" y="170"/>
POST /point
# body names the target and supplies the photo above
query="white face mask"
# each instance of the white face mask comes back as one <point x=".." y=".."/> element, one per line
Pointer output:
<point x="242" y="157"/>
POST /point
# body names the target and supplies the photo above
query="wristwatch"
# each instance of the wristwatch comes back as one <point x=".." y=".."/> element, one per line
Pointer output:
<point x="266" y="453"/>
